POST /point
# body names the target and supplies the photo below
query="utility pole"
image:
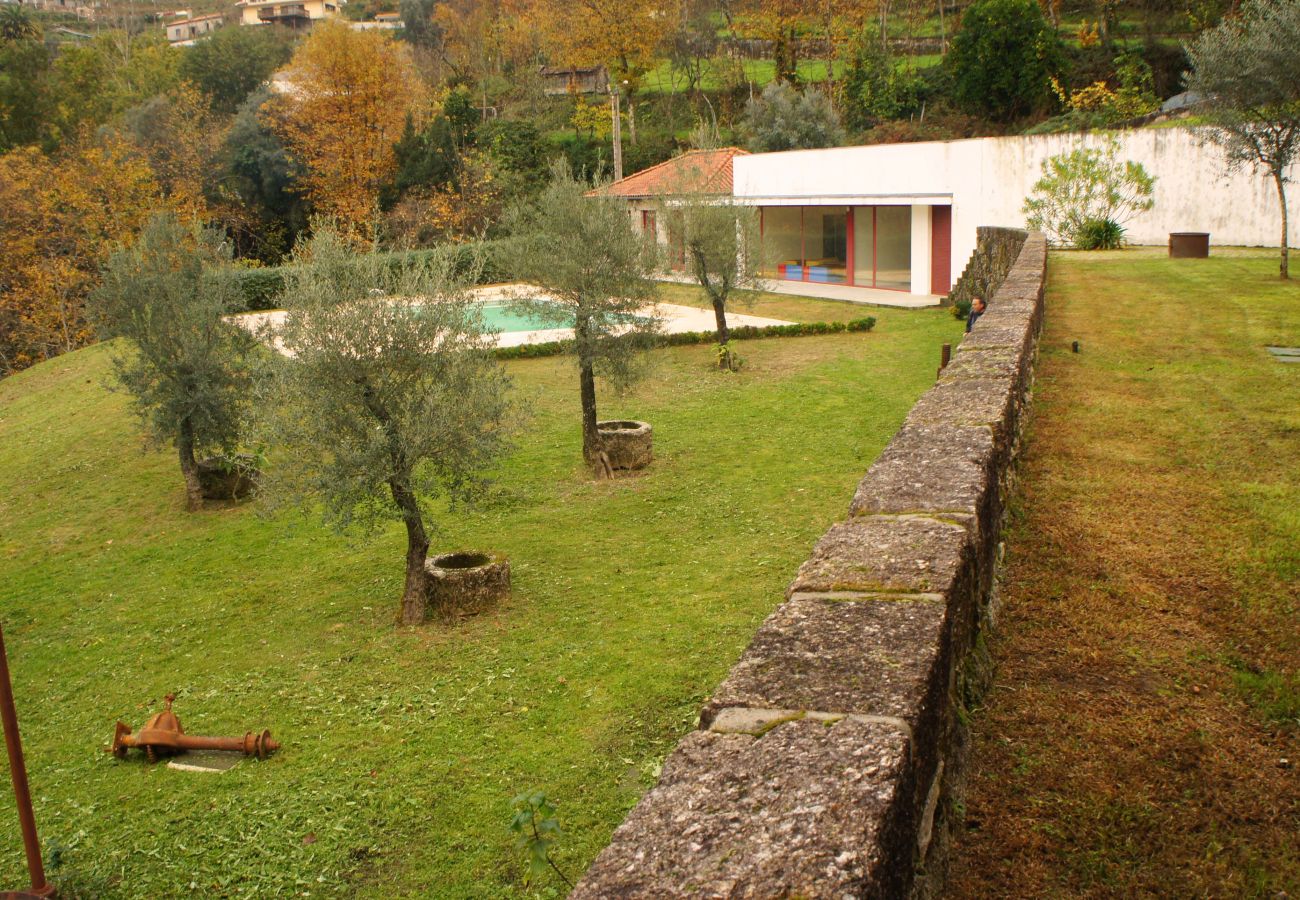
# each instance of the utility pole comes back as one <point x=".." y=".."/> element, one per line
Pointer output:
<point x="618" y="131"/>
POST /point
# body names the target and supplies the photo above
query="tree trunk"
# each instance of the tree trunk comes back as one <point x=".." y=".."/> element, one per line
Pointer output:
<point x="415" y="591"/>
<point x="631" y="119"/>
<point x="592" y="446"/>
<point x="724" y="335"/>
<point x="1286" y="235"/>
<point x="189" y="466"/>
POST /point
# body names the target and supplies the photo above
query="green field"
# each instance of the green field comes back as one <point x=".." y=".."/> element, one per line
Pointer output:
<point x="1142" y="734"/>
<point x="403" y="748"/>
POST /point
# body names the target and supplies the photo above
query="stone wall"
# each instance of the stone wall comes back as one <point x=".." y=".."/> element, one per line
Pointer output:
<point x="825" y="764"/>
<point x="996" y="250"/>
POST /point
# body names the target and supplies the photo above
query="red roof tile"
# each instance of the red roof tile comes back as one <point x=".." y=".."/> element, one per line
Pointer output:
<point x="694" y="172"/>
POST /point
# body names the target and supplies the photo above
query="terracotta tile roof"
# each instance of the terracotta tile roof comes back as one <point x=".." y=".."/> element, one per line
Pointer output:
<point x="694" y="172"/>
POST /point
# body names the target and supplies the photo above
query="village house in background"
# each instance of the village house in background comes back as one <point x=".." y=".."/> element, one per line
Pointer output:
<point x="298" y="15"/>
<point x="557" y="81"/>
<point x="183" y="32"/>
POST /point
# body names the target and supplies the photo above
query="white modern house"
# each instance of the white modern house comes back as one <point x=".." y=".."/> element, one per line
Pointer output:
<point x="902" y="217"/>
<point x="895" y="223"/>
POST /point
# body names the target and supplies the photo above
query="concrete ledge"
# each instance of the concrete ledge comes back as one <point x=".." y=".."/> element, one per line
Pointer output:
<point x="830" y="757"/>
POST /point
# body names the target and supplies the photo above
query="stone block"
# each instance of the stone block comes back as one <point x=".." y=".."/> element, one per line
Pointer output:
<point x="932" y="469"/>
<point x="809" y="809"/>
<point x="888" y="554"/>
<point x="965" y="402"/>
<point x="1004" y="363"/>
<point x="875" y="657"/>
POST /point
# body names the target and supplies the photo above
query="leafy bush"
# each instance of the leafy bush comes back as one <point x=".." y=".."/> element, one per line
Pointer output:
<point x="1003" y="58"/>
<point x="784" y="119"/>
<point x="961" y="308"/>
<point x="1100" y="234"/>
<point x="875" y="89"/>
<point x="1088" y="184"/>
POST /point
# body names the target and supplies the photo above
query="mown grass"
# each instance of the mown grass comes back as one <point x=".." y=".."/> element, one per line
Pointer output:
<point x="403" y="747"/>
<point x="1141" y="737"/>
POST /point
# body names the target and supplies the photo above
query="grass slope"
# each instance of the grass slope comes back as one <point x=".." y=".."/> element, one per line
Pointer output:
<point x="1142" y="737"/>
<point x="402" y="748"/>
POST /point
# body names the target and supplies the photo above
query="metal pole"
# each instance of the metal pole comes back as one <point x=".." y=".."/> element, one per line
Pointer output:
<point x="18" y="772"/>
<point x="618" y="132"/>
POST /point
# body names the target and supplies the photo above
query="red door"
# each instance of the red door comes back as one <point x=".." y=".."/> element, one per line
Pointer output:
<point x="940" y="249"/>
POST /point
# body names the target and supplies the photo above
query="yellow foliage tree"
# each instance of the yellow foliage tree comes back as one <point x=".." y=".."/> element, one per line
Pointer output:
<point x="60" y="217"/>
<point x="344" y="106"/>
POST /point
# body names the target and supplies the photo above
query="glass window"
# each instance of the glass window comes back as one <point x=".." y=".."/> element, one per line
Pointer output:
<point x="864" y="246"/>
<point x="783" y="242"/>
<point x="894" y="247"/>
<point x="825" y="241"/>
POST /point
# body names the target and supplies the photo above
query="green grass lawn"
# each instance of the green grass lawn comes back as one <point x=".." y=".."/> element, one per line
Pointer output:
<point x="402" y="748"/>
<point x="1142" y="734"/>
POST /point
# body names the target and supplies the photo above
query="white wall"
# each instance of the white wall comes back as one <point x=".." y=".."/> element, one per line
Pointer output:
<point x="987" y="179"/>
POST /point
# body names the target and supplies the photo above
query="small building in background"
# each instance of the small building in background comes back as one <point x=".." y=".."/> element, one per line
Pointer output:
<point x="185" y="31"/>
<point x="298" y="15"/>
<point x="706" y="173"/>
<point x="384" y="21"/>
<point x="574" y="80"/>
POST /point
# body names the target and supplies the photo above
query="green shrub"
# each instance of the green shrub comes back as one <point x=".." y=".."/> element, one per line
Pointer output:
<point x="961" y="308"/>
<point x="1099" y="234"/>
<point x="689" y="338"/>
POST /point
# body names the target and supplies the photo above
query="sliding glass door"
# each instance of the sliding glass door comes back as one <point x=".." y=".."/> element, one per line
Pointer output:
<point x="863" y="246"/>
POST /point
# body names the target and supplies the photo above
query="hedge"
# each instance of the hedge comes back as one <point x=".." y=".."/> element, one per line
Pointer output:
<point x="261" y="288"/>
<point x="682" y="338"/>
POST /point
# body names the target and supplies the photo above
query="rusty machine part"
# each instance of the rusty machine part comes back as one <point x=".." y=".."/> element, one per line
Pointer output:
<point x="163" y="735"/>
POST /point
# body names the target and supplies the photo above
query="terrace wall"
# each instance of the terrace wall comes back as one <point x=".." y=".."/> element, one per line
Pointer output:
<point x="827" y="761"/>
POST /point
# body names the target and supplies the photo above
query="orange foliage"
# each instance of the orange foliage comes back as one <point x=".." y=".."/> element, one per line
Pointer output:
<point x="344" y="108"/>
<point x="60" y="218"/>
<point x="623" y="34"/>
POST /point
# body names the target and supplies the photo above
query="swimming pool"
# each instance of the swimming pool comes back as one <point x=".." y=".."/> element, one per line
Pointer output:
<point x="506" y="319"/>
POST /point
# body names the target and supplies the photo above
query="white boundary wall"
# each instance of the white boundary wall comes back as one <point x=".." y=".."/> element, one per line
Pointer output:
<point x="987" y="179"/>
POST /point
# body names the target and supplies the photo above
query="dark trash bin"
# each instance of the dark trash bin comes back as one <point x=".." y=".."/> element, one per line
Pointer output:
<point x="1189" y="244"/>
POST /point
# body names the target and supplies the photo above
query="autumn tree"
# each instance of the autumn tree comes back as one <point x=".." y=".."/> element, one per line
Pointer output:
<point x="184" y="363"/>
<point x="349" y="95"/>
<point x="1248" y="69"/>
<point x="388" y="398"/>
<point x="60" y="217"/>
<point x="597" y="278"/>
<point x="181" y="138"/>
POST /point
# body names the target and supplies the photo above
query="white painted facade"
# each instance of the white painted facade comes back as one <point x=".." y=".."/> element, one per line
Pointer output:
<point x="986" y="180"/>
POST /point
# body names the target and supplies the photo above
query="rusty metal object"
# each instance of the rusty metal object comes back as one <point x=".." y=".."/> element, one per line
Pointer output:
<point x="1189" y="244"/>
<point x="163" y="735"/>
<point x="18" y="773"/>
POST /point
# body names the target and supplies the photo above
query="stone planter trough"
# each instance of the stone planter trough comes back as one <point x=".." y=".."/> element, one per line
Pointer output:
<point x="466" y="582"/>
<point x="628" y="444"/>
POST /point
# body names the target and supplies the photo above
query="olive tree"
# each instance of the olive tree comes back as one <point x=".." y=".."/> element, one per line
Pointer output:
<point x="185" y="363"/>
<point x="721" y="246"/>
<point x="1248" y="69"/>
<point x="385" y="397"/>
<point x="597" y="277"/>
